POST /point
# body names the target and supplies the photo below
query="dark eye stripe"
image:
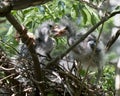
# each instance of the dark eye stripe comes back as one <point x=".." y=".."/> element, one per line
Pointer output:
<point x="91" y="39"/>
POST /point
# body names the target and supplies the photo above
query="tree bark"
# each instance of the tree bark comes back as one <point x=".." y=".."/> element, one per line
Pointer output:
<point x="22" y="4"/>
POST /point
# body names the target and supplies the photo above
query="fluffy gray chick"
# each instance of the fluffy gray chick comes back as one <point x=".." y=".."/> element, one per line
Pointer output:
<point x="89" y="52"/>
<point x="44" y="43"/>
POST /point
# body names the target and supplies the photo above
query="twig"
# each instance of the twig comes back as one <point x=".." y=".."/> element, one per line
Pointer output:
<point x="71" y="76"/>
<point x="9" y="46"/>
<point x="90" y="4"/>
<point x="112" y="40"/>
<point x="86" y="74"/>
<point x="6" y="69"/>
<point x="7" y="77"/>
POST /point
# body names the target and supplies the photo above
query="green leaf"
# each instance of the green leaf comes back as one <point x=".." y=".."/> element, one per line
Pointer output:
<point x="94" y="18"/>
<point x="84" y="16"/>
<point x="93" y="21"/>
<point x="42" y="9"/>
<point x="61" y="5"/>
<point x="10" y="31"/>
<point x="117" y="8"/>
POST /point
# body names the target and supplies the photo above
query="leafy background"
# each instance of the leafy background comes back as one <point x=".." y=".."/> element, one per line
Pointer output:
<point x="83" y="15"/>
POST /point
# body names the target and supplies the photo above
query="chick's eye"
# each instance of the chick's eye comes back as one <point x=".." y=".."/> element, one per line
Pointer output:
<point x="66" y="28"/>
<point x="50" y="26"/>
<point x="39" y="39"/>
<point x="93" y="40"/>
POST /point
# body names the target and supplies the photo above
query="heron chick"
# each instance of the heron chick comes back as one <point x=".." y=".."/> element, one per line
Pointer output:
<point x="89" y="53"/>
<point x="43" y="42"/>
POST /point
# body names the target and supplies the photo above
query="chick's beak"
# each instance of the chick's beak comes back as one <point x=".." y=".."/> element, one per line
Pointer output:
<point x="59" y="31"/>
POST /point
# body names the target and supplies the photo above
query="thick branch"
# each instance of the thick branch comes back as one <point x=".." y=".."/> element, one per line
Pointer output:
<point x="104" y="19"/>
<point x="26" y="40"/>
<point x="7" y="5"/>
<point x="22" y="4"/>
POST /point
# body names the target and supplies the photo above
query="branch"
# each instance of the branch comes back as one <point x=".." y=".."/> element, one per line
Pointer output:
<point x="22" y="4"/>
<point x="7" y="5"/>
<point x="90" y="4"/>
<point x="104" y="19"/>
<point x="112" y="40"/>
<point x="6" y="69"/>
<point x="4" y="8"/>
<point x="5" y="78"/>
<point x="29" y="42"/>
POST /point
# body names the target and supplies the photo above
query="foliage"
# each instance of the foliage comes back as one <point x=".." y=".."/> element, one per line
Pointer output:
<point x="83" y="15"/>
